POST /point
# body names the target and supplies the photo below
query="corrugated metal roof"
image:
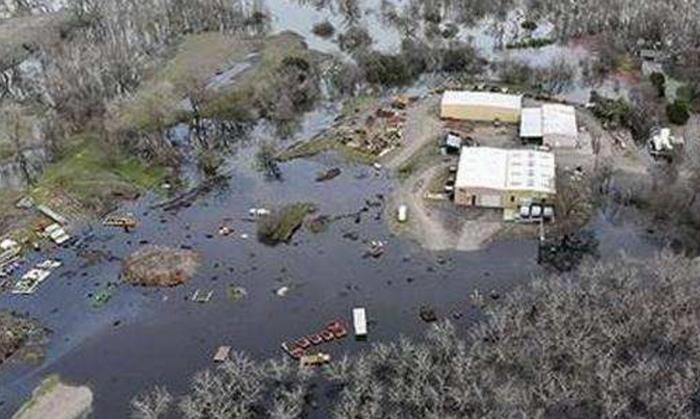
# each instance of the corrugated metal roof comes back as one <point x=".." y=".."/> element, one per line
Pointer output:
<point x="531" y="123"/>
<point x="466" y="98"/>
<point x="482" y="167"/>
<point x="500" y="169"/>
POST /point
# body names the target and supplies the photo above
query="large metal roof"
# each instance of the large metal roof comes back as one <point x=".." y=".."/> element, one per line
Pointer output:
<point x="502" y="169"/>
<point x="486" y="99"/>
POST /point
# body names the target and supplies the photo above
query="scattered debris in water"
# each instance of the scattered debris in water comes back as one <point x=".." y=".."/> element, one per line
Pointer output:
<point x="222" y="354"/>
<point x="328" y="175"/>
<point x="235" y="293"/>
<point x="282" y="291"/>
<point x="376" y="249"/>
<point x="202" y="297"/>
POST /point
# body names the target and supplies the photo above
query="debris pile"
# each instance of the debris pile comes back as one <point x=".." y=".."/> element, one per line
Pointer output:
<point x="160" y="266"/>
<point x="380" y="130"/>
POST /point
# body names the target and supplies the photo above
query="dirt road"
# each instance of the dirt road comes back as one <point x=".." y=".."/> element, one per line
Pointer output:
<point x="422" y="126"/>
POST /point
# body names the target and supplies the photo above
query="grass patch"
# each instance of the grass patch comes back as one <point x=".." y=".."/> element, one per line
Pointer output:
<point x="192" y="63"/>
<point x="426" y="155"/>
<point x="321" y="145"/>
<point x="254" y="88"/>
<point x="95" y="174"/>
<point x="357" y="104"/>
<point x="281" y="225"/>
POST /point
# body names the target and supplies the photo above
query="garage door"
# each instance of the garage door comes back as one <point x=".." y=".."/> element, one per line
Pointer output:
<point x="490" y="201"/>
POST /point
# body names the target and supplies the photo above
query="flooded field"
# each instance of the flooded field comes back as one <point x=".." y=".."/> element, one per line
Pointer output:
<point x="143" y="337"/>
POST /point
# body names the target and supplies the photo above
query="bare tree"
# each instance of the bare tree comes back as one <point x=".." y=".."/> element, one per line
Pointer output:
<point x="153" y="404"/>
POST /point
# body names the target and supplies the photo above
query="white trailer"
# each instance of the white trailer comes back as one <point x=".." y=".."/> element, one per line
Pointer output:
<point x="359" y="320"/>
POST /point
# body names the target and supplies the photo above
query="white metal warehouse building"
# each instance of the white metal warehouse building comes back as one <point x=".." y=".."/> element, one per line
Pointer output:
<point x="551" y="125"/>
<point x="481" y="106"/>
<point x="499" y="178"/>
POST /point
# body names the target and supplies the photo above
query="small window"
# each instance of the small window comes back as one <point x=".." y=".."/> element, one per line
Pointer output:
<point x="512" y="198"/>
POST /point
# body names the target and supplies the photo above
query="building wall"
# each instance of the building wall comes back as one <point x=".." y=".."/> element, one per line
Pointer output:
<point x="480" y="113"/>
<point x="514" y="199"/>
<point x="482" y="198"/>
<point x="508" y="199"/>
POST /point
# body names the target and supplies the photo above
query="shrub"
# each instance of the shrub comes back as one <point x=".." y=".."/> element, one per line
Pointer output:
<point x="529" y="25"/>
<point x="324" y="29"/>
<point x="354" y="39"/>
<point x="678" y="112"/>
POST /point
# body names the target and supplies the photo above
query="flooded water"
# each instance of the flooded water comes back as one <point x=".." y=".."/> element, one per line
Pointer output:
<point x="143" y="337"/>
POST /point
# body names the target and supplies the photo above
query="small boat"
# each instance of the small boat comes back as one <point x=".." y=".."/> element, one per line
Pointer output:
<point x="314" y="359"/>
<point x="293" y="351"/>
<point x="303" y="343"/>
<point x="338" y="329"/>
<point x="316" y="339"/>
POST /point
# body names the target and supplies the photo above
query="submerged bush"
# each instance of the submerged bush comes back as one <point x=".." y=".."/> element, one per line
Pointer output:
<point x="387" y="70"/>
<point x="678" y="112"/>
<point x="324" y="29"/>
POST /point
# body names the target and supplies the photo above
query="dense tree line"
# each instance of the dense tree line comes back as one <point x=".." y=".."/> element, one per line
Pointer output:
<point x="615" y="339"/>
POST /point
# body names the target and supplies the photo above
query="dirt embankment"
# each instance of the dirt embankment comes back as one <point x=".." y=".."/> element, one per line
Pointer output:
<point x="160" y="266"/>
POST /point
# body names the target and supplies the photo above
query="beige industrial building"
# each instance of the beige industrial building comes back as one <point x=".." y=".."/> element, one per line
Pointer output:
<point x="500" y="178"/>
<point x="481" y="106"/>
<point x="552" y="125"/>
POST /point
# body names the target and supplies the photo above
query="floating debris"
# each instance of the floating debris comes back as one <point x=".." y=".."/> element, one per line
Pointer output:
<point x="56" y="233"/>
<point x="222" y="354"/>
<point x="124" y="221"/>
<point x="202" y="297"/>
<point x="225" y="231"/>
<point x="314" y="360"/>
<point x="235" y="293"/>
<point x="376" y="249"/>
<point x="30" y="281"/>
<point x="328" y="175"/>
<point x="359" y="320"/>
<point x="102" y="297"/>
